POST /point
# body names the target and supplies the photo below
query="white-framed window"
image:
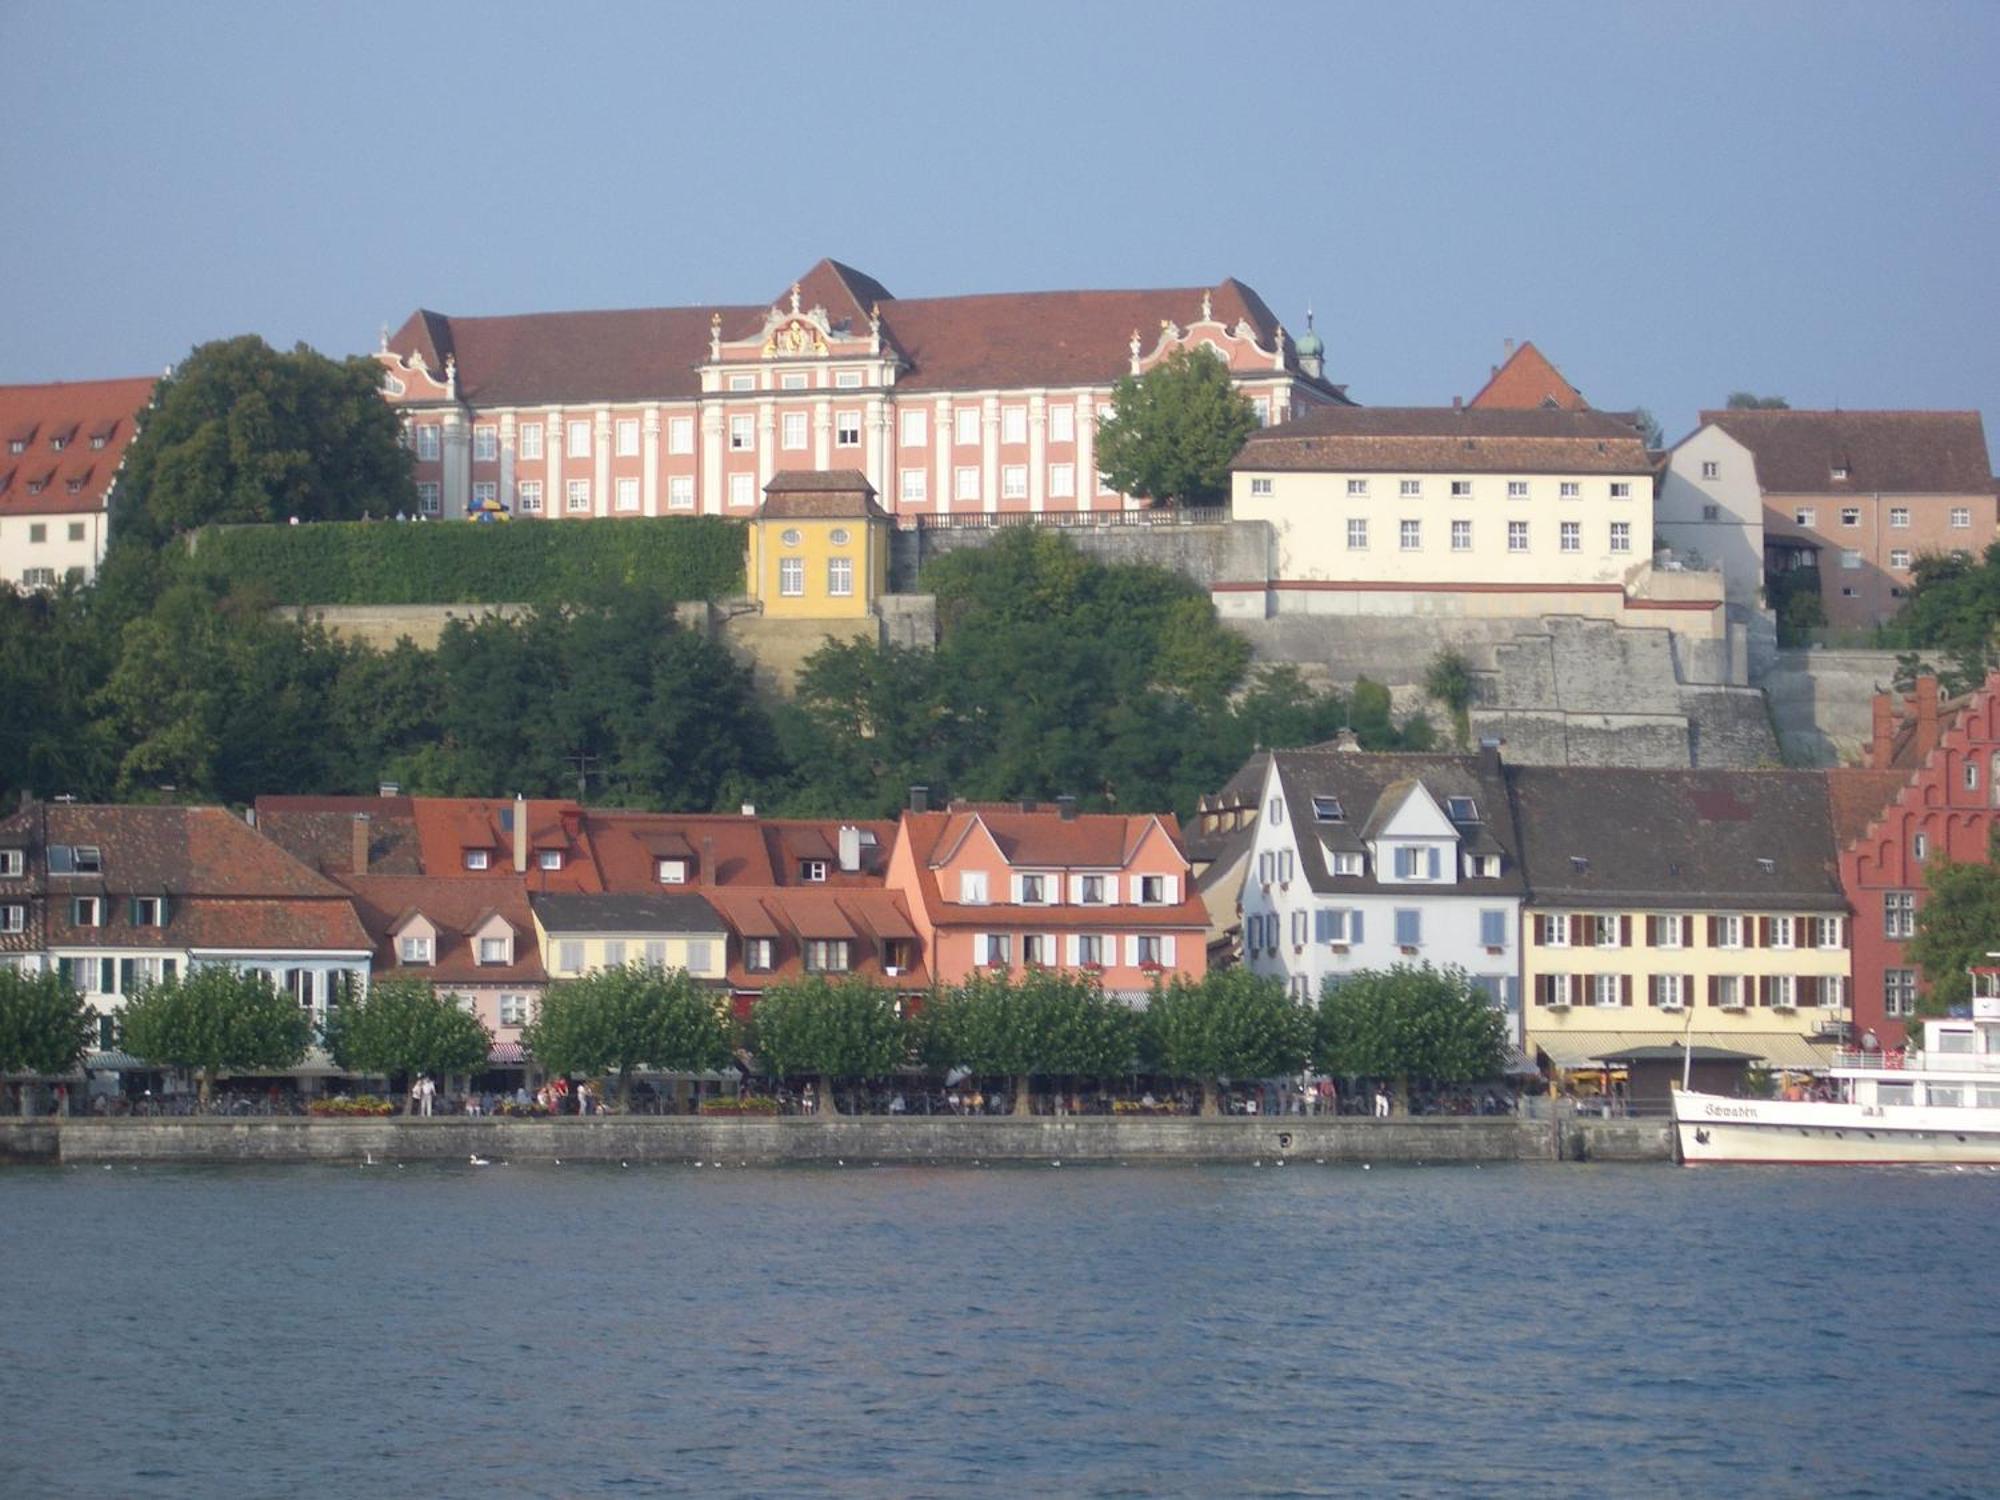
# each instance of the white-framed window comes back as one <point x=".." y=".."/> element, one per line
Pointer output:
<point x="912" y="427"/>
<point x="1833" y="992"/>
<point x="528" y="497"/>
<point x="477" y="859"/>
<point x="965" y="426"/>
<point x="1606" y="990"/>
<point x="1961" y="517"/>
<point x="847" y="429"/>
<point x="792" y="430"/>
<point x="1461" y="536"/>
<point x="1920" y="847"/>
<point x="1729" y="991"/>
<point x="680" y="435"/>
<point x="1260" y="406"/>
<point x="995" y="950"/>
<point x="1062" y="481"/>
<point x="1461" y="489"/>
<point x="427" y="442"/>
<point x="680" y="492"/>
<point x="1349" y="862"/>
<point x="569" y="956"/>
<point x="792" y="380"/>
<point x="1899" y="992"/>
<point x="1091" y="890"/>
<point x="1621" y="536"/>
<point x="1357" y="486"/>
<point x="972" y="887"/>
<point x="626" y="433"/>
<point x="485" y="443"/>
<point x="1621" y="489"/>
<point x="1260" y="486"/>
<point x="1062" y="424"/>
<point x="742" y="434"/>
<point x="1784" y="992"/>
<point x="743" y="382"/>
<point x="528" y="441"/>
<point x="1710" y="469"/>
<point x="1850" y="515"/>
<point x="760" y="955"/>
<point x="415" y="950"/>
<point x="1517" y="536"/>
<point x="1569" y="489"/>
<point x="1899" y="914"/>
<point x="792" y="577"/>
<point x="1850" y="559"/>
<point x="13" y="863"/>
<point x="1409" y="489"/>
<point x="1669" y="931"/>
<point x="915" y="486"/>
<point x="965" y="483"/>
<point x="1805" y="515"/>
<point x="840" y="577"/>
<point x="1014" y="482"/>
<point x="1826" y="932"/>
<point x="577" y="439"/>
<point x="427" y="499"/>
<point x="1148" y="950"/>
<point x="627" y="497"/>
<point x="1517" y="489"/>
<point x="86" y="911"/>
<point x="1153" y="890"/>
<point x="1899" y="557"/>
<point x="493" y="950"/>
<point x="1781" y="932"/>
<point x="513" y="1010"/>
<point x="485" y="492"/>
<point x="1357" y="534"/>
<point x="1569" y="536"/>
<point x="1013" y="424"/>
<point x="1607" y="931"/>
<point x="578" y="497"/>
<point x="847" y="380"/>
<point x="1728" y="932"/>
<point x="1410" y="536"/>
<point x="743" y="489"/>
<point x="549" y="859"/>
<point x="1899" y="517"/>
<point x="1034" y="890"/>
<point x="1667" y="993"/>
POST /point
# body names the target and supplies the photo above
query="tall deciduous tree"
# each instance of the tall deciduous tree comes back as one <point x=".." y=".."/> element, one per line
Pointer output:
<point x="1405" y="1023"/>
<point x="216" y="1020"/>
<point x="1954" y="610"/>
<point x="1230" y="1024"/>
<point x="1957" y="927"/>
<point x="834" y="1030"/>
<point x="404" y="1027"/>
<point x="1045" y="1024"/>
<point x="1751" y="401"/>
<point x="239" y="432"/>
<point x="638" y="1016"/>
<point x="45" y="1026"/>
<point x="1174" y="429"/>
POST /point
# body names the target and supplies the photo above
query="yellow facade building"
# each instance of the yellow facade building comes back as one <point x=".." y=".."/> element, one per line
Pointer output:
<point x="819" y="547"/>
<point x="581" y="933"/>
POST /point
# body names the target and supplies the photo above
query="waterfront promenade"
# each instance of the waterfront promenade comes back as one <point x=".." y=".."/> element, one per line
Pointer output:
<point x="849" y="1140"/>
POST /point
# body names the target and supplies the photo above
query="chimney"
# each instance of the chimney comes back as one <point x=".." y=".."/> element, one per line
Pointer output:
<point x="1927" y="717"/>
<point x="749" y="809"/>
<point x="920" y="799"/>
<point x="359" y="837"/>
<point x="1029" y="804"/>
<point x="1507" y="348"/>
<point x="1458" y="403"/>
<point x="850" y="848"/>
<point x="1066" y="807"/>
<point x="520" y="834"/>
<point x="390" y="789"/>
<point x="704" y="869"/>
<point x="1882" y="734"/>
<point x="1347" y="740"/>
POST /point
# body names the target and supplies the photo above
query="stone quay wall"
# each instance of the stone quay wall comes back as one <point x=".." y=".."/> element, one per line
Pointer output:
<point x="1618" y="1140"/>
<point x="765" y="1142"/>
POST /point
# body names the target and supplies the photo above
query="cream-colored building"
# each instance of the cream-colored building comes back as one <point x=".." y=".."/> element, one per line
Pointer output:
<point x="581" y="933"/>
<point x="64" y="444"/>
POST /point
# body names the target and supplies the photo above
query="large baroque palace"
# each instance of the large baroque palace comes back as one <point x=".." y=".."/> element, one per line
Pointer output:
<point x="947" y="404"/>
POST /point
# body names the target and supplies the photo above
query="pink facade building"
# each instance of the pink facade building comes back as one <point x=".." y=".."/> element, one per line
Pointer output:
<point x="971" y="404"/>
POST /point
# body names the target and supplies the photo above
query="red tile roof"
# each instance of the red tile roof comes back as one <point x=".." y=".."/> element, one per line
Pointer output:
<point x="1857" y="798"/>
<point x="821" y="494"/>
<point x="82" y="413"/>
<point x="1528" y="382"/>
<point x="1449" y="440"/>
<point x="1883" y="452"/>
<point x="456" y="908"/>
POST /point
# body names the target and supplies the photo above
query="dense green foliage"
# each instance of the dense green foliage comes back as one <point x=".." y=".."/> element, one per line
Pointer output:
<point x="1751" y="401"/>
<point x="45" y="1026"/>
<point x="405" y="1027"/>
<point x="239" y="432"/>
<point x="1405" y="1023"/>
<point x="1793" y="594"/>
<point x="832" y="1029"/>
<point x="1957" y="927"/>
<point x="217" y="1021"/>
<point x="1043" y="1024"/>
<point x="1174" y="430"/>
<point x="615" y="1020"/>
<point x="677" y="557"/>
<point x="1448" y="680"/>
<point x="1953" y="612"/>
<point x="1230" y="1024"/>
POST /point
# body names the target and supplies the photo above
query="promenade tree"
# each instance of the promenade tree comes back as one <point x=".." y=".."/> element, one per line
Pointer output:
<point x="835" y="1030"/>
<point x="1229" y="1025"/>
<point x="404" y="1027"/>
<point x="1957" y="927"/>
<point x="216" y="1020"/>
<point x="1409" y="1022"/>
<point x="638" y="1016"/>
<point x="1174" y="429"/>
<point x="1044" y="1024"/>
<point x="45" y="1026"/>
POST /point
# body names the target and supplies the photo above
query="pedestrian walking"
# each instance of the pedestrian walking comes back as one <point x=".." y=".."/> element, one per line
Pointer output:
<point x="1381" y="1103"/>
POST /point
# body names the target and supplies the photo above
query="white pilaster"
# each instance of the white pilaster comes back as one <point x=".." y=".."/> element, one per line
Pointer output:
<point x="989" y="453"/>
<point x="1038" y="452"/>
<point x="712" y="426"/>
<point x="649" y="448"/>
<point x="455" y="493"/>
<point x="822" y="433"/>
<point x="941" y="481"/>
<point x="600" y="453"/>
<point x="767" y="446"/>
<point x="1086" y="451"/>
<point x="555" y="501"/>
<point x="879" y="418"/>
<point x="507" y="441"/>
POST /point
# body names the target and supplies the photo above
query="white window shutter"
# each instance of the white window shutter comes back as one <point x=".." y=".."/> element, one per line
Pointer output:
<point x="1014" y="889"/>
<point x="979" y="948"/>
<point x="1135" y="888"/>
<point x="1049" y="946"/>
<point x="1073" y="950"/>
<point x="1052" y="890"/>
<point x="1076" y="889"/>
<point x="1171" y="886"/>
<point x="1167" y="950"/>
<point x="1132" y="949"/>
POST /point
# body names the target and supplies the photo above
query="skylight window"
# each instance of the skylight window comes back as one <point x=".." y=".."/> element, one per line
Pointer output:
<point x="1579" y="864"/>
<point x="1328" y="810"/>
<point x="1461" y="810"/>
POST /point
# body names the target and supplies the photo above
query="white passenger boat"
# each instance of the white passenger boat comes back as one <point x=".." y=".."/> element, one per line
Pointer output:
<point x="1937" y="1105"/>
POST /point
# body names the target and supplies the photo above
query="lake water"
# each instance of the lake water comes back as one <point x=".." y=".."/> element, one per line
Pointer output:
<point x="1306" y="1330"/>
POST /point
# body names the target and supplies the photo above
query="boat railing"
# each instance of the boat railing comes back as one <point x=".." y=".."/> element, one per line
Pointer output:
<point x="1913" y="1059"/>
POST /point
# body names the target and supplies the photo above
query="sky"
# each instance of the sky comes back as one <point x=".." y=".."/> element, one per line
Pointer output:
<point x="1673" y="201"/>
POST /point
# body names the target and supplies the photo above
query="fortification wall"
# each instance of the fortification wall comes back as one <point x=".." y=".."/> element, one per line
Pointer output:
<point x="1822" y="702"/>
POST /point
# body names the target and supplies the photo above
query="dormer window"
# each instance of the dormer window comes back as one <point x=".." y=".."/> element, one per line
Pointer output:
<point x="86" y="911"/>
<point x="57" y="444"/>
<point x="1483" y="866"/>
<point x="1414" y="863"/>
<point x="1579" y="864"/>
<point x="1152" y="890"/>
<point x="415" y="950"/>
<point x="1328" y="810"/>
<point x="476" y="859"/>
<point x="17" y="445"/>
<point x="812" y="871"/>
<point x="550" y="859"/>
<point x="495" y="950"/>
<point x="1461" y="809"/>
<point x="1767" y="866"/>
<point x="13" y="863"/>
<point x="149" y="911"/>
<point x="673" y="872"/>
<point x="1840" y="471"/>
<point x="1348" y="862"/>
<point x="1034" y="890"/>
<point x="97" y="441"/>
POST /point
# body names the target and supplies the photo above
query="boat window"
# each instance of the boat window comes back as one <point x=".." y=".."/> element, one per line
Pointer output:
<point x="1955" y="1041"/>
<point x="1944" y="1095"/>
<point x="1895" y="1093"/>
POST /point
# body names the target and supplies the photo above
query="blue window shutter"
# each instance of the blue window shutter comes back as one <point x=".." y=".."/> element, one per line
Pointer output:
<point x="1322" y="926"/>
<point x="1354" y="925"/>
<point x="1431" y="863"/>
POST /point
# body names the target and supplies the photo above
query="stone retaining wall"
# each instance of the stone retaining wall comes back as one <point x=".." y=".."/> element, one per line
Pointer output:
<point x="772" y="1142"/>
<point x="1618" y="1140"/>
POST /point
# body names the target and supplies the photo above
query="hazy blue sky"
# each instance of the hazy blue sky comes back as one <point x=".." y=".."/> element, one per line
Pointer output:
<point x="1671" y="200"/>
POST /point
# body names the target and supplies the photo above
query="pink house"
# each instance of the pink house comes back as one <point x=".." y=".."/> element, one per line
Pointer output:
<point x="1014" y="886"/>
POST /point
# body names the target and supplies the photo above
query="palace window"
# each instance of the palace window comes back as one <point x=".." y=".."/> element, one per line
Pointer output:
<point x="628" y="494"/>
<point x="1062" y="481"/>
<point x="792" y="380"/>
<point x="743" y="489"/>
<point x="427" y="499"/>
<point x="485" y="494"/>
<point x="1517" y="536"/>
<point x="577" y="440"/>
<point x="1062" y="424"/>
<point x="793" y="430"/>
<point x="485" y="444"/>
<point x="1013" y="424"/>
<point x="427" y="443"/>
<point x="579" y="497"/>
<point x="1014" y="482"/>
<point x="965" y="426"/>
<point x="847" y="380"/>
<point x="742" y="434"/>
<point x="1357" y="535"/>
<point x="792" y="577"/>
<point x="680" y="435"/>
<point x="530" y="440"/>
<point x="680" y="492"/>
<point x="840" y="577"/>
<point x="915" y="486"/>
<point x="965" y="484"/>
<point x="847" y="429"/>
<point x="912" y="428"/>
<point x="743" y="382"/>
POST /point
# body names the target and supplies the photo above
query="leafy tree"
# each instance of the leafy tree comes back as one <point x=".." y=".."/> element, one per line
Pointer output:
<point x="405" y="1027"/>
<point x="1448" y="679"/>
<point x="1174" y="430"/>
<point x="1229" y="1024"/>
<point x="833" y="1029"/>
<point x="216" y="1020"/>
<point x="45" y="1026"/>
<point x="1649" y="428"/>
<point x="1045" y="1024"/>
<point x="239" y="432"/>
<point x="1957" y="927"/>
<point x="1405" y="1023"/>
<point x="1750" y="401"/>
<point x="1795" y="598"/>
<point x="1954" y="610"/>
<point x="616" y="1020"/>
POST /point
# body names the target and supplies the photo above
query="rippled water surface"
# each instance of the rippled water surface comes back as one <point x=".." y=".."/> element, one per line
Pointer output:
<point x="1305" y="1330"/>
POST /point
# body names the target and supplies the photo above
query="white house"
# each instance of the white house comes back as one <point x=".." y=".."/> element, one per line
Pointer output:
<point x="1369" y="861"/>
